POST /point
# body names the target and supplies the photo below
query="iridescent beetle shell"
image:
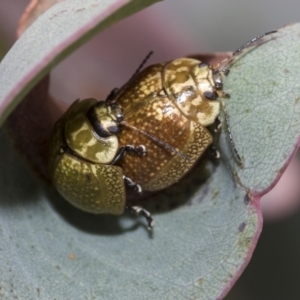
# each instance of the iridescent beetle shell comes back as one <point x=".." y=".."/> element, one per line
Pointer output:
<point x="167" y="101"/>
<point x="165" y="108"/>
<point x="79" y="163"/>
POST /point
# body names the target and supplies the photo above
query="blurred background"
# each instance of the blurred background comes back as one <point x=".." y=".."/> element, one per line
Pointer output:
<point x="172" y="29"/>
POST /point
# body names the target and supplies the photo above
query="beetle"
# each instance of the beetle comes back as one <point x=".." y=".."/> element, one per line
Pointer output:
<point x="146" y="135"/>
<point x="158" y="120"/>
<point x="173" y="102"/>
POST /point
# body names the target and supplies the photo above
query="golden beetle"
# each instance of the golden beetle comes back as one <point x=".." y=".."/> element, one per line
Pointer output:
<point x="158" y="119"/>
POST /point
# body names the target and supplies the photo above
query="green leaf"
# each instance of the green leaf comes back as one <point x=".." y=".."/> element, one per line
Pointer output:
<point x="206" y="226"/>
<point x="264" y="108"/>
<point x="51" y="249"/>
<point x="53" y="36"/>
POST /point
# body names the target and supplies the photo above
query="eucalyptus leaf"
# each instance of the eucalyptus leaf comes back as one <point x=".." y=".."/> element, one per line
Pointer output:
<point x="53" y="36"/>
<point x="264" y="107"/>
<point x="206" y="226"/>
<point x="49" y="249"/>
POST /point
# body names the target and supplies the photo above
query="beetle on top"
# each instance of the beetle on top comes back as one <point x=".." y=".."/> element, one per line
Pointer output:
<point x="147" y="135"/>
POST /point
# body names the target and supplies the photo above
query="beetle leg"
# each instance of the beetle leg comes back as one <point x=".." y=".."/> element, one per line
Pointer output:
<point x="223" y="94"/>
<point x="230" y="135"/>
<point x="140" y="210"/>
<point x="224" y="72"/>
<point x="215" y="153"/>
<point x="119" y="155"/>
<point x="140" y="150"/>
<point x="218" y="124"/>
<point x="136" y="187"/>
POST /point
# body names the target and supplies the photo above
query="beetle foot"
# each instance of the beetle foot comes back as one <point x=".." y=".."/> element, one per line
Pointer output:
<point x="224" y="94"/>
<point x="225" y="72"/>
<point x="140" y="150"/>
<point x="136" y="187"/>
<point x="215" y="153"/>
<point x="218" y="124"/>
<point x="139" y="210"/>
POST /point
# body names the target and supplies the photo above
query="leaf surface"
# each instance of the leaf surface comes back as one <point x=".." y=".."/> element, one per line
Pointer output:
<point x="53" y="36"/>
<point x="206" y="226"/>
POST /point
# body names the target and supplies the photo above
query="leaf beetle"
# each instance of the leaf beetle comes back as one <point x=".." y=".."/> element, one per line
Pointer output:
<point x="146" y="135"/>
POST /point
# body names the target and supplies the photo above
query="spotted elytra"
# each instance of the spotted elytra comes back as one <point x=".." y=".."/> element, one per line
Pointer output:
<point x="146" y="135"/>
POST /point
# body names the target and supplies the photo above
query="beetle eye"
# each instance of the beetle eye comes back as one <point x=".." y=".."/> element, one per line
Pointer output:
<point x="210" y="95"/>
<point x="113" y="129"/>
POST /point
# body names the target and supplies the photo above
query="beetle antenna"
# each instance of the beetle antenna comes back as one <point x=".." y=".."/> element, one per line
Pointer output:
<point x="251" y="42"/>
<point x="225" y="71"/>
<point x="239" y="50"/>
<point x="141" y="66"/>
<point x="111" y="98"/>
<point x="155" y="139"/>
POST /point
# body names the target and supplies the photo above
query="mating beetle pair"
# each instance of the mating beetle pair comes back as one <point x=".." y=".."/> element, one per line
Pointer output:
<point x="147" y="135"/>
